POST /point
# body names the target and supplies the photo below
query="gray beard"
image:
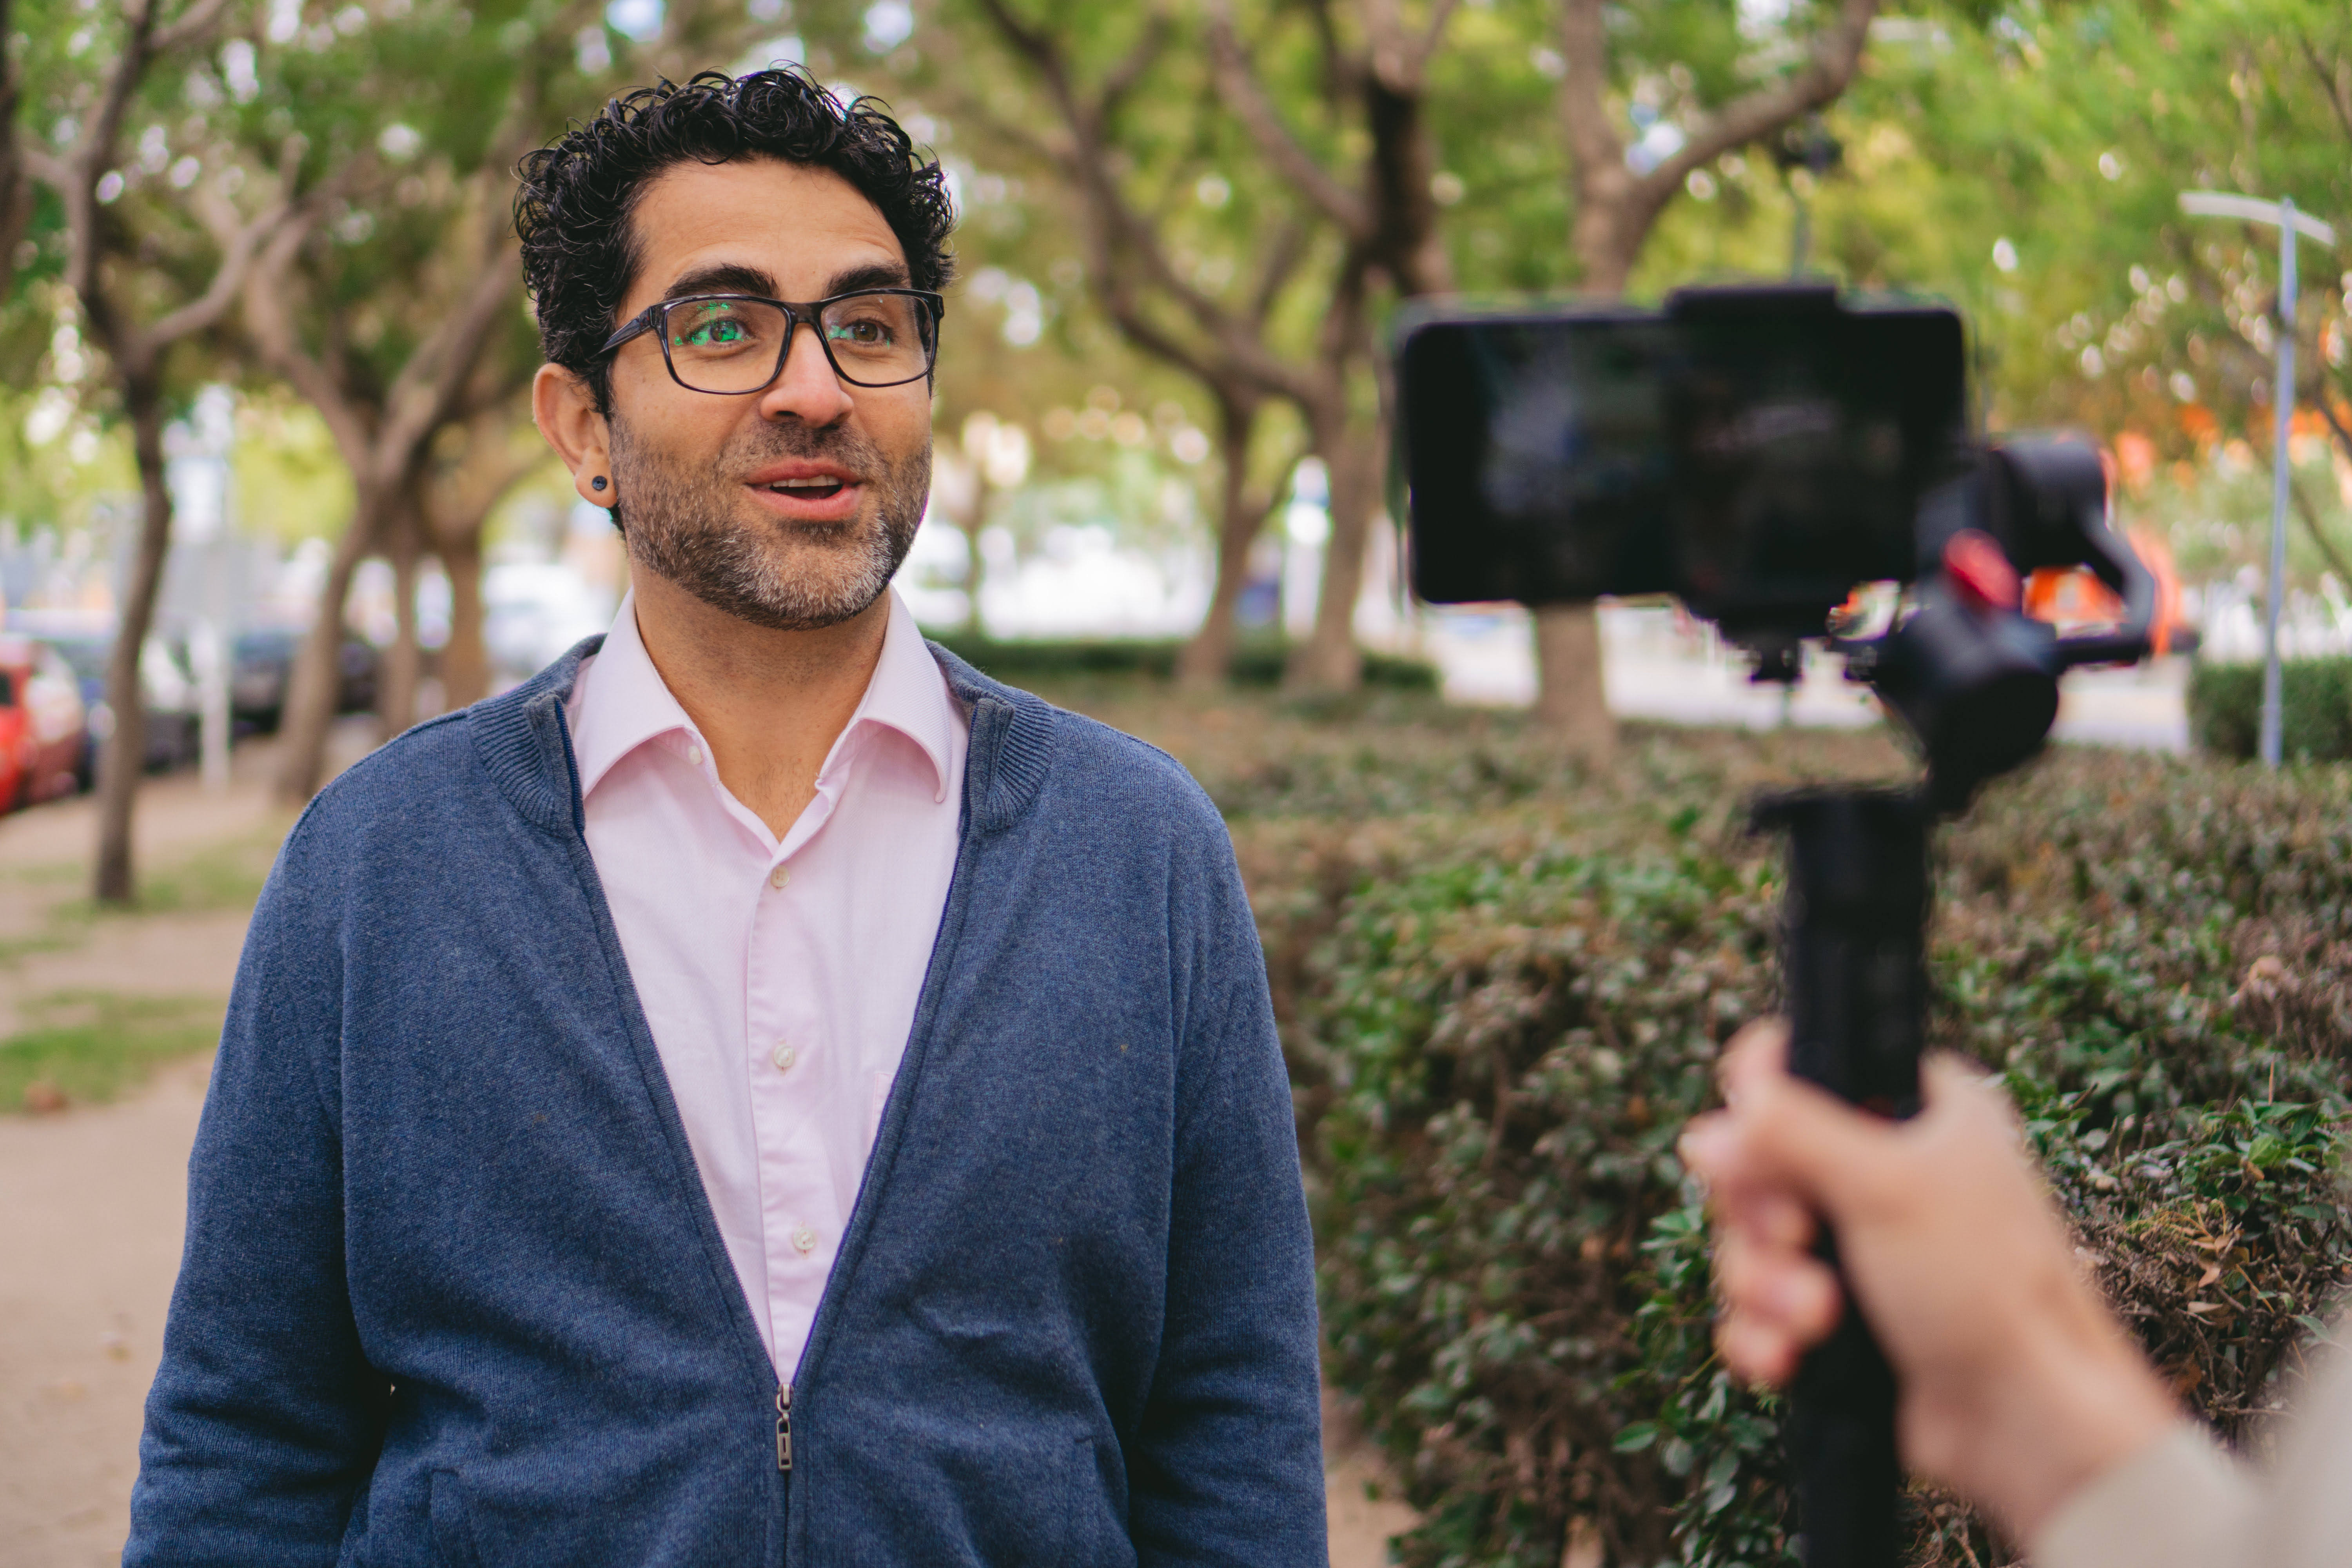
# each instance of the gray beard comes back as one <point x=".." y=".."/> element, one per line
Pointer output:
<point x="684" y="525"/>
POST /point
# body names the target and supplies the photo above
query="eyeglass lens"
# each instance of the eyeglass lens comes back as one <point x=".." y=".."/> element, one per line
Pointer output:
<point x="736" y="345"/>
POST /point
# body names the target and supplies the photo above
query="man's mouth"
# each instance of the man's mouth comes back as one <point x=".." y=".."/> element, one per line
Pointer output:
<point x="816" y="488"/>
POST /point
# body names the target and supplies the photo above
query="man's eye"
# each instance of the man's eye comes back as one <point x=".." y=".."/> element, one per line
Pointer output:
<point x="717" y="333"/>
<point x="862" y="334"/>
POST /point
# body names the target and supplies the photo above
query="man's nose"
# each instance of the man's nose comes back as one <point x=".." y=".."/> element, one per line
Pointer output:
<point x="806" y="389"/>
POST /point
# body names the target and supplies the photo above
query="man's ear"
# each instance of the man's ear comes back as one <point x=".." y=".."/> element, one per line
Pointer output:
<point x="565" y="412"/>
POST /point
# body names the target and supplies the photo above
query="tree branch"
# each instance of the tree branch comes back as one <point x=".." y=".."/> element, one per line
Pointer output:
<point x="2335" y="425"/>
<point x="1130" y="72"/>
<point x="2329" y="86"/>
<point x="1238" y="85"/>
<point x="269" y="322"/>
<point x="195" y="24"/>
<point x="53" y="171"/>
<point x="238" y="242"/>
<point x="1592" y="140"/>
<point x="2310" y="516"/>
<point x="1397" y="54"/>
<point x="1835" y="57"/>
<point x="92" y="152"/>
<point x="1113" y="229"/>
<point x="422" y="396"/>
<point x="1439" y="14"/>
<point x="15" y="178"/>
<point x="1281" y="259"/>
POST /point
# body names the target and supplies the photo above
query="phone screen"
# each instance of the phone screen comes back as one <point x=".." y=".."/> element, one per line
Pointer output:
<point x="1757" y="452"/>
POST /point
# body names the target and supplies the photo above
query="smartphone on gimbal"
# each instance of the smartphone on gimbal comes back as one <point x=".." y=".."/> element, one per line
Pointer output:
<point x="1759" y="453"/>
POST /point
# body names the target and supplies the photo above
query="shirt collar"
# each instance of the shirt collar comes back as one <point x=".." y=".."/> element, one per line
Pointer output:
<point x="909" y="694"/>
<point x="623" y="702"/>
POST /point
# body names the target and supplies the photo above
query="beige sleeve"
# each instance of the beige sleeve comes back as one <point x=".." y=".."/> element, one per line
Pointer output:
<point x="2186" y="1504"/>
<point x="2177" y="1503"/>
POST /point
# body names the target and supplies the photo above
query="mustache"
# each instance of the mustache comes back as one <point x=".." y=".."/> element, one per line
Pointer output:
<point x="830" y="443"/>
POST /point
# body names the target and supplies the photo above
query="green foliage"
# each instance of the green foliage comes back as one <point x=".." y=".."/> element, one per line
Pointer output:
<point x="2225" y="709"/>
<point x="1499" y="1010"/>
<point x="1513" y="1048"/>
<point x="93" y="1044"/>
<point x="1255" y="664"/>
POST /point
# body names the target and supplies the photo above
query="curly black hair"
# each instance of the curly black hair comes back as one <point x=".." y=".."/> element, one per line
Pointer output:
<point x="580" y="254"/>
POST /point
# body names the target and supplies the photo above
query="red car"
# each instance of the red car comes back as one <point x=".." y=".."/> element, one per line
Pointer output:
<point x="41" y="724"/>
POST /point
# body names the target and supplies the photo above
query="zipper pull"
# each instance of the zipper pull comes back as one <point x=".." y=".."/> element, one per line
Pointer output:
<point x="784" y="1426"/>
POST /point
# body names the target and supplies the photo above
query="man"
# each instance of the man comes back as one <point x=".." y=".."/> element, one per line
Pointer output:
<point x="759" y="1091"/>
<point x="2019" y="1390"/>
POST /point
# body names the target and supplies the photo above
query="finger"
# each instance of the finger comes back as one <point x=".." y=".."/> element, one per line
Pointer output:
<point x="1761" y="1045"/>
<point x="1787" y="1134"/>
<point x="1756" y="1351"/>
<point x="1709" y="1151"/>
<point x="1769" y="1216"/>
<point x="1793" y="1292"/>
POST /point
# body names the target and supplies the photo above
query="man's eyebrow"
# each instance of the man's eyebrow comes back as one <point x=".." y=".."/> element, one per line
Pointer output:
<point x="721" y="278"/>
<point x="873" y="275"/>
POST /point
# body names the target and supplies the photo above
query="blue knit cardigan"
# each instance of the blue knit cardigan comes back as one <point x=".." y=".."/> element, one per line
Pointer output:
<point x="453" y="1294"/>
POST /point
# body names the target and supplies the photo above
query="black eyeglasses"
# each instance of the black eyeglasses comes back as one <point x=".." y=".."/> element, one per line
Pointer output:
<point x="735" y="345"/>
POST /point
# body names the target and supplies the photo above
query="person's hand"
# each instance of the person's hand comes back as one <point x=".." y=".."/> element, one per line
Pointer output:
<point x="2016" y="1385"/>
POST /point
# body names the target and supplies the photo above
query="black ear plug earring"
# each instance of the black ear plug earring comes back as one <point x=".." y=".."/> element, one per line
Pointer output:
<point x="598" y="482"/>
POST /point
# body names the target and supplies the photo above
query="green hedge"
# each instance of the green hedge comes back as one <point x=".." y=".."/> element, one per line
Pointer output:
<point x="1499" y="1011"/>
<point x="2225" y="709"/>
<point x="1256" y="663"/>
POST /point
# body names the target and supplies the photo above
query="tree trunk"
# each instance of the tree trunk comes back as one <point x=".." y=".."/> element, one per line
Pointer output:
<point x="1571" y="703"/>
<point x="403" y="663"/>
<point x="124" y="760"/>
<point x="1571" y="696"/>
<point x="465" y="662"/>
<point x="1329" y="661"/>
<point x="1207" y="658"/>
<point x="317" y="669"/>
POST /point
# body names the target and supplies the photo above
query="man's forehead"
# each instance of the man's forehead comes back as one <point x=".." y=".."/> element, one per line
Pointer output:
<point x="800" y="225"/>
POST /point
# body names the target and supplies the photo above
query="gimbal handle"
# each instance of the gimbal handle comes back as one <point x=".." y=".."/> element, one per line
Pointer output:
<point x="1855" y="990"/>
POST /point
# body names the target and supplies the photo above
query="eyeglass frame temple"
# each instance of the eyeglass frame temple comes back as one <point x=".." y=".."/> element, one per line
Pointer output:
<point x="800" y="315"/>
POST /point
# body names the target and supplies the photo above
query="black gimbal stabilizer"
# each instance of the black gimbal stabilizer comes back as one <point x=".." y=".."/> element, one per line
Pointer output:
<point x="1977" y="683"/>
<point x="1759" y="453"/>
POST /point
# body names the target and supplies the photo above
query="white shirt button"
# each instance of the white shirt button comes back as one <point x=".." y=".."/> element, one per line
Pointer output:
<point x="803" y="1237"/>
<point x="693" y="755"/>
<point x="779" y="876"/>
<point x="783" y="1056"/>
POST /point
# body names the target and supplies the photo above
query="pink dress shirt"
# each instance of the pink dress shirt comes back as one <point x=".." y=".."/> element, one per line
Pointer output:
<point x="779" y="979"/>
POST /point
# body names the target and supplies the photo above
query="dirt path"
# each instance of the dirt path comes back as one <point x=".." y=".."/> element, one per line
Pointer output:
<point x="92" y="1200"/>
<point x="90" y="1234"/>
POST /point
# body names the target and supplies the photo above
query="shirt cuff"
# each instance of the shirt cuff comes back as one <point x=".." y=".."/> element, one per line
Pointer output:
<point x="2181" y="1501"/>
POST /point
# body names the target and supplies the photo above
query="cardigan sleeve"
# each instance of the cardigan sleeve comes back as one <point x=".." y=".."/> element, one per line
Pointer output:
<point x="2184" y="1502"/>
<point x="1226" y="1467"/>
<point x="265" y="1418"/>
<point x="2181" y="1501"/>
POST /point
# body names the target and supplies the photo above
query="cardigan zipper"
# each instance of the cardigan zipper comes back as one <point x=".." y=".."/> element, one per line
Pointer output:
<point x="784" y="1426"/>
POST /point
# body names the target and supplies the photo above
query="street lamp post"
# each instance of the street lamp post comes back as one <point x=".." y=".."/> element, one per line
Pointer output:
<point x="2282" y="216"/>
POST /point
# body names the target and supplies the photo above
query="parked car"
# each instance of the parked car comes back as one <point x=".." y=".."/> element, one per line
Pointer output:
<point x="533" y="611"/>
<point x="261" y="669"/>
<point x="44" y="741"/>
<point x="85" y="641"/>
